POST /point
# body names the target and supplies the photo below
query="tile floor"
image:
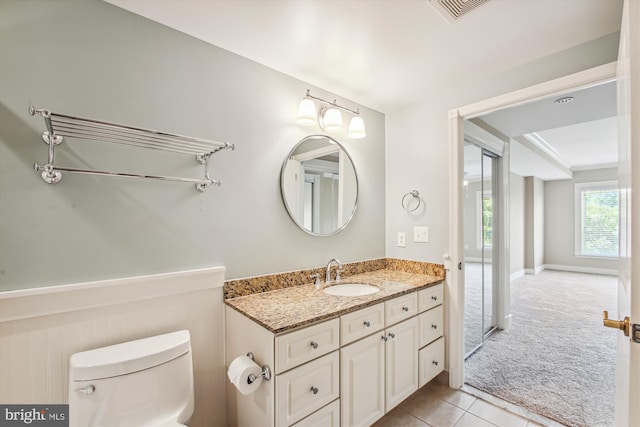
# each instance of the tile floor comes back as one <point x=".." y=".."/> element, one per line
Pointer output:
<point x="436" y="405"/>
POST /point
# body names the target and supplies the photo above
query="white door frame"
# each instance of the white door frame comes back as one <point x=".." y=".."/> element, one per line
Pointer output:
<point x="455" y="278"/>
<point x="628" y="352"/>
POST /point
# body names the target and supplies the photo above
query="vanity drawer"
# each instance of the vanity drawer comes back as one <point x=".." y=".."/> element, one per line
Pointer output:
<point x="309" y="387"/>
<point x="430" y="297"/>
<point x="361" y="323"/>
<point x="430" y="361"/>
<point x="306" y="344"/>
<point x="398" y="309"/>
<point x="329" y="416"/>
<point x="431" y="325"/>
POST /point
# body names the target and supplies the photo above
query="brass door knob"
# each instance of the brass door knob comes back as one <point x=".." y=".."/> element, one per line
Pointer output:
<point x="623" y="325"/>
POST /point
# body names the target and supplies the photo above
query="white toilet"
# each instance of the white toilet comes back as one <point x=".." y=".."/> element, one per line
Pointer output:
<point x="147" y="382"/>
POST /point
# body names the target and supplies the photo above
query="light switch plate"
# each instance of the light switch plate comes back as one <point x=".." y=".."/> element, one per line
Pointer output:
<point x="401" y="240"/>
<point x="421" y="234"/>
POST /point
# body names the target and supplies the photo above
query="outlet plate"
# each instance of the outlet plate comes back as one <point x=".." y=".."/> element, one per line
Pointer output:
<point x="401" y="240"/>
<point x="421" y="234"/>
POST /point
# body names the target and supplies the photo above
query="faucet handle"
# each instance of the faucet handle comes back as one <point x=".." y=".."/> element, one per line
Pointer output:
<point x="316" y="277"/>
<point x="338" y="271"/>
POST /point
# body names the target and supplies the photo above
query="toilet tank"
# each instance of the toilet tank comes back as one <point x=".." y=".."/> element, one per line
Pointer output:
<point x="143" y="382"/>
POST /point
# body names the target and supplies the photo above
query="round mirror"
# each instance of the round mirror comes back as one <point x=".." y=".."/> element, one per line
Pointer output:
<point x="319" y="185"/>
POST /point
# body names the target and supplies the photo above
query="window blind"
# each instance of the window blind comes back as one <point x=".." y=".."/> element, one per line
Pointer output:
<point x="600" y="219"/>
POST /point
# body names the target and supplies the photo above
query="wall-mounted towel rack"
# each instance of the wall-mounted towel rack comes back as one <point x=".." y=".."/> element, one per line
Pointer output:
<point x="60" y="126"/>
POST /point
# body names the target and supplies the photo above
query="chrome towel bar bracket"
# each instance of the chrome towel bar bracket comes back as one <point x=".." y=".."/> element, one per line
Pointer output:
<point x="60" y="126"/>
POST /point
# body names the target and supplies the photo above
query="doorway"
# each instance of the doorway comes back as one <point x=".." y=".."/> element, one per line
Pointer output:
<point x="465" y="277"/>
<point x="456" y="277"/>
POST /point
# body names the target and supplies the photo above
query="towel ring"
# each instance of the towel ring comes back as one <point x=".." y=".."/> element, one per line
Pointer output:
<point x="416" y="195"/>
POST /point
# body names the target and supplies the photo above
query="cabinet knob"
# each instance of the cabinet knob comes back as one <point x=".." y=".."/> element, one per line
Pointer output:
<point x="434" y="326"/>
<point x="405" y="308"/>
<point x="367" y="323"/>
<point x="435" y="362"/>
<point x="392" y="335"/>
<point x="314" y="344"/>
<point x="384" y="337"/>
<point x="435" y="298"/>
<point x="314" y="390"/>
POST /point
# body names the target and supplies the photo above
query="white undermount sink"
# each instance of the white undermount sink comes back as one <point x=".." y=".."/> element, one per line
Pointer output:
<point x="350" y="289"/>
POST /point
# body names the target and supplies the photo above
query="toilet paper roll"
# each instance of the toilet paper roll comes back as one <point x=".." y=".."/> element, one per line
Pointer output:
<point x="240" y="369"/>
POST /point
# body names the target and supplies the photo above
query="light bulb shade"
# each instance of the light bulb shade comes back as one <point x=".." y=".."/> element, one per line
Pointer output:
<point x="307" y="113"/>
<point x="331" y="120"/>
<point x="356" y="128"/>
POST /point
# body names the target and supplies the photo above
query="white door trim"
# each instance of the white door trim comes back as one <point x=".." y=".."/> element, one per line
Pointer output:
<point x="455" y="280"/>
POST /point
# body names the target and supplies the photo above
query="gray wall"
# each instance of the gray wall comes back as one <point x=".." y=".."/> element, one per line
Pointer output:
<point x="560" y="219"/>
<point x="534" y="222"/>
<point x="516" y="223"/>
<point x="92" y="59"/>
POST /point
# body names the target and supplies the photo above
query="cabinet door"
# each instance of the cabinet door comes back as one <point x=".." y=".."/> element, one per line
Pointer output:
<point x="307" y="388"/>
<point x="400" y="308"/>
<point x="401" y="361"/>
<point x="431" y="361"/>
<point x="295" y="348"/>
<point x="361" y="323"/>
<point x="362" y="381"/>
<point x="430" y="297"/>
<point x="327" y="416"/>
<point x="431" y="325"/>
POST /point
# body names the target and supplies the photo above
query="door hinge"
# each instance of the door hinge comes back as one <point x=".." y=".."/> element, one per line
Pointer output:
<point x="460" y="266"/>
<point x="635" y="332"/>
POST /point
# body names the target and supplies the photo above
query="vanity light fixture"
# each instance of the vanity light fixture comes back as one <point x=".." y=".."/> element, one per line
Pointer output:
<point x="329" y="117"/>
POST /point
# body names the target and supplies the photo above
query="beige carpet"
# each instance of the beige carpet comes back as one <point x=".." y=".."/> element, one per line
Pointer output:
<point x="557" y="359"/>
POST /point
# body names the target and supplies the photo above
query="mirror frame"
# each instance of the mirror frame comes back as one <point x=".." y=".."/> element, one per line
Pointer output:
<point x="284" y="199"/>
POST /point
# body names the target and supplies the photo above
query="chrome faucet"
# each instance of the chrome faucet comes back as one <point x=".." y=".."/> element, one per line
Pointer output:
<point x="327" y="277"/>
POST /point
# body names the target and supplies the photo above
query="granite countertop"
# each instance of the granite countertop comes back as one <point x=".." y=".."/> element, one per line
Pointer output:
<point x="282" y="310"/>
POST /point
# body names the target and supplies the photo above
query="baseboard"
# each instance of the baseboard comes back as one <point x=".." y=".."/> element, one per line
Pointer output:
<point x="578" y="269"/>
<point x="516" y="275"/>
<point x="534" y="271"/>
<point x="443" y="378"/>
<point x="507" y="321"/>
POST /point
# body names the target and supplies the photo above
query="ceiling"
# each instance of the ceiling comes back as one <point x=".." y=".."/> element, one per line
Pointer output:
<point x="581" y="134"/>
<point x="386" y="54"/>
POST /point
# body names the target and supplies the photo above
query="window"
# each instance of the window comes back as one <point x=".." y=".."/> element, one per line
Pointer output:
<point x="597" y="219"/>
<point x="484" y="213"/>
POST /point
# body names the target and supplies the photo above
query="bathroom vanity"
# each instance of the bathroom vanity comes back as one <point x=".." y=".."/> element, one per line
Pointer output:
<point x="336" y="360"/>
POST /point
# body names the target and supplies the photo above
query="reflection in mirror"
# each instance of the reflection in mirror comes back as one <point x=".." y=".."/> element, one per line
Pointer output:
<point x="319" y="185"/>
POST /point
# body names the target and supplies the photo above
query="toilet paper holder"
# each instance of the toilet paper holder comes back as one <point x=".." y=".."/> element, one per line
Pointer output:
<point x="266" y="371"/>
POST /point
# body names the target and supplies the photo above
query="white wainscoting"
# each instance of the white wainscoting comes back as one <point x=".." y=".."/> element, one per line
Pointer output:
<point x="41" y="328"/>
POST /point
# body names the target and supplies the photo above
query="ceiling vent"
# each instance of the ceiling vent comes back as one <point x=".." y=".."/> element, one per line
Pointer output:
<point x="453" y="10"/>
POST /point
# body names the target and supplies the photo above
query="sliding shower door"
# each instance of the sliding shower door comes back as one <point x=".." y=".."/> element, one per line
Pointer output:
<point x="480" y="218"/>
